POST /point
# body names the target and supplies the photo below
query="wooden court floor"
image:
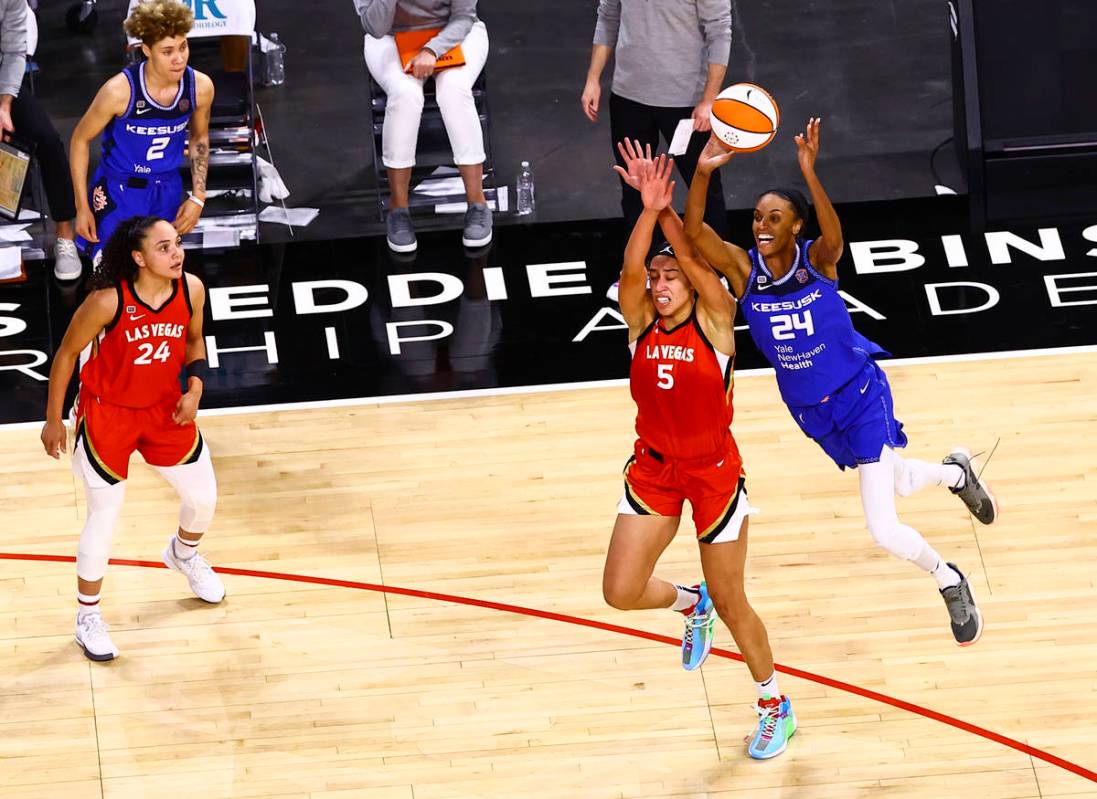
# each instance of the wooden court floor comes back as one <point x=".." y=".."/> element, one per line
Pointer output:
<point x="294" y="689"/>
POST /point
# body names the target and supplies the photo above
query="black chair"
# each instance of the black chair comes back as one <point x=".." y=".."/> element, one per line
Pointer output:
<point x="433" y="149"/>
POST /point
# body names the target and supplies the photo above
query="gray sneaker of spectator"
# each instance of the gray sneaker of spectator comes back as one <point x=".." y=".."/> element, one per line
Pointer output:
<point x="66" y="260"/>
<point x="477" y="231"/>
<point x="399" y="231"/>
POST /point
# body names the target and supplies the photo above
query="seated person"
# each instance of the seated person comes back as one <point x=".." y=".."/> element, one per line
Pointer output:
<point x="21" y="113"/>
<point x="458" y="25"/>
<point x="144" y="114"/>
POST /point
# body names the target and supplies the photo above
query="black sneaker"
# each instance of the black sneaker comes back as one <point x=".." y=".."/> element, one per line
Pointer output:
<point x="967" y="621"/>
<point x="974" y="492"/>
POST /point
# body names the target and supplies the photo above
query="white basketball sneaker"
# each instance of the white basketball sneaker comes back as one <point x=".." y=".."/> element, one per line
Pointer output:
<point x="203" y="580"/>
<point x="93" y="636"/>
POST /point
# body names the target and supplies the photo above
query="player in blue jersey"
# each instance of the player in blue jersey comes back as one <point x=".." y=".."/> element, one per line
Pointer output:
<point x="145" y="114"/>
<point x="827" y="372"/>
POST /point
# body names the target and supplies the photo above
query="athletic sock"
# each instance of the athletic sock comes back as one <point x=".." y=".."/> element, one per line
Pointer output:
<point x="86" y="603"/>
<point x="957" y="477"/>
<point x="183" y="549"/>
<point x="768" y="688"/>
<point x="687" y="598"/>
<point x="945" y="575"/>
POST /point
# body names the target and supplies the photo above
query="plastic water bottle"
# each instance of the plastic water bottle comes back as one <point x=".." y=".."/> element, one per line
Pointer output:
<point x="526" y="200"/>
<point x="276" y="62"/>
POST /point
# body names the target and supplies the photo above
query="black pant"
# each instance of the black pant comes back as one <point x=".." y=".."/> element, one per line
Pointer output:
<point x="632" y="120"/>
<point x="32" y="123"/>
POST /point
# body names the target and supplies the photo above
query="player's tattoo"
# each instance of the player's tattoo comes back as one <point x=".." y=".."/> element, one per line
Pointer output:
<point x="199" y="167"/>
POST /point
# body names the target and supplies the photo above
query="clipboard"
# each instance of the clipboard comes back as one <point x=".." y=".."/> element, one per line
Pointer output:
<point x="15" y="158"/>
<point x="409" y="43"/>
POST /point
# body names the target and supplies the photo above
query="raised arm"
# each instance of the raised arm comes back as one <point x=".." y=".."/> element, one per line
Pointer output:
<point x="729" y="259"/>
<point x="716" y="308"/>
<point x="95" y="313"/>
<point x="632" y="294"/>
<point x="827" y="249"/>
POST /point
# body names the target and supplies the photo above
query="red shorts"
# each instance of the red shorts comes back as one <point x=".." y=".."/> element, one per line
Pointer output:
<point x="111" y="433"/>
<point x="715" y="487"/>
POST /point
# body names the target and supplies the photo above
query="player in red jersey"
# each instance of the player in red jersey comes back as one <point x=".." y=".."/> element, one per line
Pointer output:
<point x="683" y="346"/>
<point x="140" y="329"/>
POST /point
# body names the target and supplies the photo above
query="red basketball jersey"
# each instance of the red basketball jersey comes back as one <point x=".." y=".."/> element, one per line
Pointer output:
<point x="137" y="359"/>
<point x="682" y="388"/>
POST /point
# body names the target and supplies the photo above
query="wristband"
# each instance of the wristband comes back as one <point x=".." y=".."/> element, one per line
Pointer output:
<point x="197" y="368"/>
<point x="195" y="200"/>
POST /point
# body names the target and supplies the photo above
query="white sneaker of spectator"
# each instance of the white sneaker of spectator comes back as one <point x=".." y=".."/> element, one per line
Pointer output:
<point x="66" y="260"/>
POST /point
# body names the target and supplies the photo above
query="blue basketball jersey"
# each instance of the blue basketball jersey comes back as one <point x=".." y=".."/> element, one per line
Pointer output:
<point x="800" y="323"/>
<point x="149" y="138"/>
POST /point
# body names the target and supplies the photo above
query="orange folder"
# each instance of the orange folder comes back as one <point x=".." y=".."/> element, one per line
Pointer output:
<point x="409" y="43"/>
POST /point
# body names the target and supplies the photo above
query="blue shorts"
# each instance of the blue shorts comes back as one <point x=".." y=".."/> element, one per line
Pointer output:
<point x="115" y="198"/>
<point x="856" y="422"/>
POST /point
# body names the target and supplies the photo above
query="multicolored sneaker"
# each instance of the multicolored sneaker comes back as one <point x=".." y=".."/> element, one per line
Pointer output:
<point x="697" y="640"/>
<point x="776" y="724"/>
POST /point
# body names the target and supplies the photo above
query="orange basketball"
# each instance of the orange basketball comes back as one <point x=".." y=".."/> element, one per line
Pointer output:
<point x="745" y="117"/>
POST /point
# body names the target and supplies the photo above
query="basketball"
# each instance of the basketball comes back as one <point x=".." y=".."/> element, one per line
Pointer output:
<point x="745" y="117"/>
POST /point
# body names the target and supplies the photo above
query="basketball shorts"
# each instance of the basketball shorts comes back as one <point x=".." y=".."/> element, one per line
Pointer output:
<point x="656" y="485"/>
<point x="856" y="422"/>
<point x="114" y="198"/>
<point x="110" y="434"/>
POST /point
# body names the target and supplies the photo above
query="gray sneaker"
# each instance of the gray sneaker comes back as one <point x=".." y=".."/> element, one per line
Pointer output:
<point x="66" y="260"/>
<point x="967" y="621"/>
<point x="477" y="231"/>
<point x="974" y="492"/>
<point x="399" y="231"/>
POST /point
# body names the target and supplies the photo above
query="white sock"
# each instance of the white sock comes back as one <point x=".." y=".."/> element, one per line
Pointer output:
<point x="911" y="475"/>
<point x="86" y="603"/>
<point x="768" y="688"/>
<point x="182" y="549"/>
<point x="687" y="598"/>
<point x="945" y="575"/>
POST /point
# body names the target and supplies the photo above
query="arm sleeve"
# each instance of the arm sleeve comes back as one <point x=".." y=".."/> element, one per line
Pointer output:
<point x="376" y="16"/>
<point x="13" y="47"/>
<point x="462" y="16"/>
<point x="715" y="19"/>
<point x="609" y="22"/>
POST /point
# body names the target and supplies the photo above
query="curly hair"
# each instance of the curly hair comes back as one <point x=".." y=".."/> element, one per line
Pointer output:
<point x="117" y="263"/>
<point x="155" y="20"/>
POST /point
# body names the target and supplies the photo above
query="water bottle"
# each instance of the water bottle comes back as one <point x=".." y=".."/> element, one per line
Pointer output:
<point x="276" y="62"/>
<point x="525" y="200"/>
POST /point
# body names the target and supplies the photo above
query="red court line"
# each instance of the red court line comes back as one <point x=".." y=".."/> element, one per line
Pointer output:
<point x="959" y="724"/>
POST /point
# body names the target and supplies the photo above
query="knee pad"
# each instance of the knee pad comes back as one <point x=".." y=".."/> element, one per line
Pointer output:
<point x="898" y="539"/>
<point x="197" y="511"/>
<point x="93" y="551"/>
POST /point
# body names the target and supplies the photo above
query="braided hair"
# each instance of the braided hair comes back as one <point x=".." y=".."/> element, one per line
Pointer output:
<point x="800" y="205"/>
<point x="117" y="263"/>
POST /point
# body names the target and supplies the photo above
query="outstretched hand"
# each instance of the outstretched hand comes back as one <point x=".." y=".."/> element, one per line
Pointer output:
<point x="714" y="156"/>
<point x="656" y="187"/>
<point x="635" y="156"/>
<point x="807" y="145"/>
